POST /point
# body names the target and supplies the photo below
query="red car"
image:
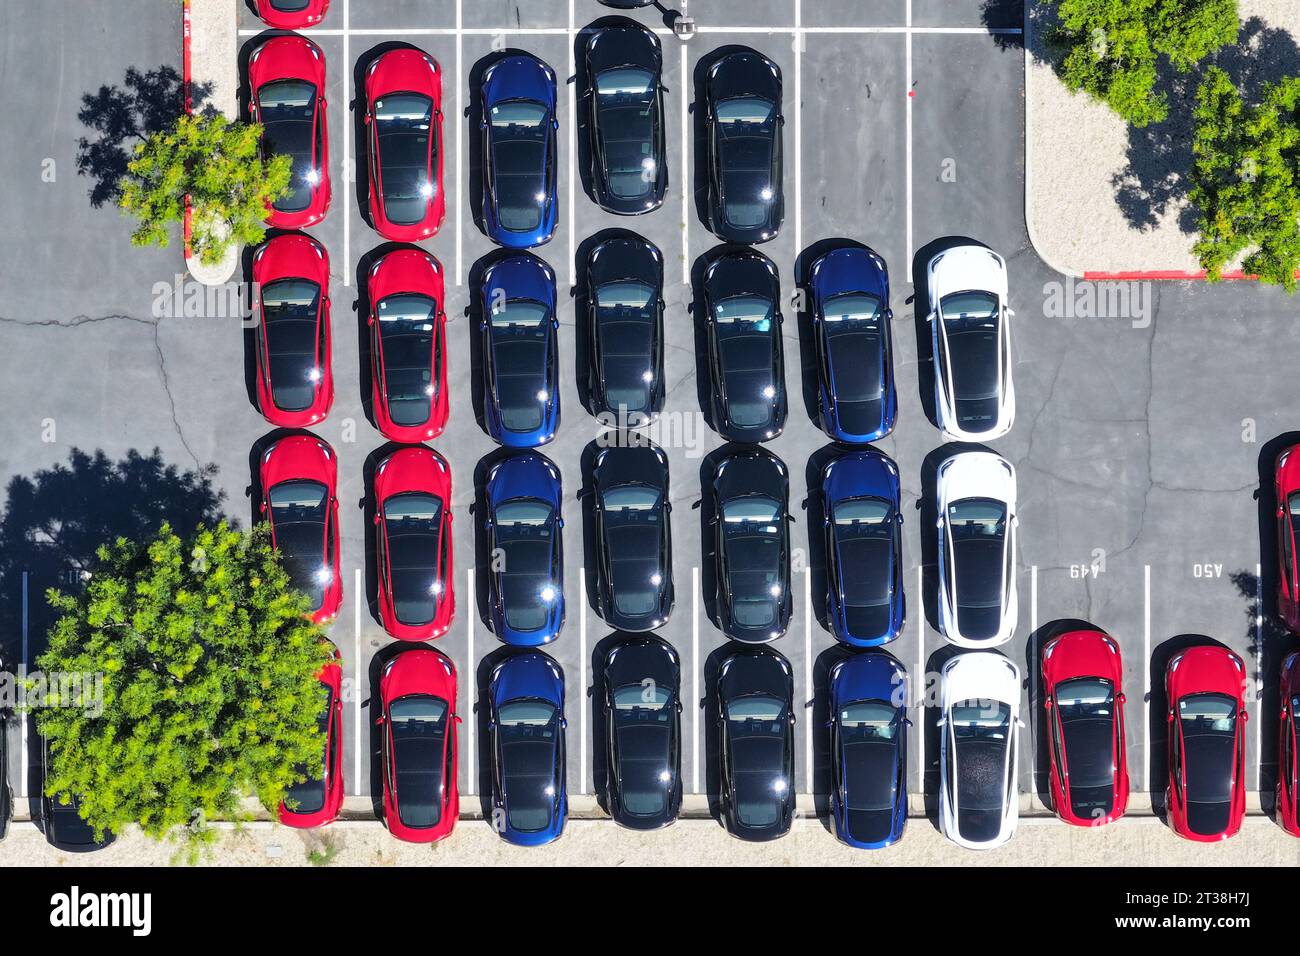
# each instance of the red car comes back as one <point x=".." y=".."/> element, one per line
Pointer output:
<point x="1286" y="484"/>
<point x="317" y="801"/>
<point x="292" y="14"/>
<point x="417" y="691"/>
<point x="1288" y="780"/>
<point x="413" y="544"/>
<point x="404" y="123"/>
<point x="1083" y="677"/>
<point x="408" y="346"/>
<point x="287" y="77"/>
<point x="295" y="384"/>
<point x="299" y="482"/>
<point x="1205" y="687"/>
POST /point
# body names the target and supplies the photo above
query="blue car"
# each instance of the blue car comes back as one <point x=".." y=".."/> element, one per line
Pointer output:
<point x="518" y="128"/>
<point x="869" y="750"/>
<point x="862" y="517"/>
<point x="851" y="328"/>
<point x="526" y="725"/>
<point x="520" y="351"/>
<point x="524" y="524"/>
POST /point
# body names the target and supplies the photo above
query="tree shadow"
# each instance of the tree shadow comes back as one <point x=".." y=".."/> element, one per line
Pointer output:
<point x="1001" y="14"/>
<point x="118" y="117"/>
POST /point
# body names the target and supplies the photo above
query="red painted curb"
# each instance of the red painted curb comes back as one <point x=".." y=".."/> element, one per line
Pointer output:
<point x="1165" y="274"/>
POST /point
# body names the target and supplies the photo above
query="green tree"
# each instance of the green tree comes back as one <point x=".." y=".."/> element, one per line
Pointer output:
<point x="1243" y="179"/>
<point x="216" y="163"/>
<point x="1113" y="48"/>
<point x="209" y="682"/>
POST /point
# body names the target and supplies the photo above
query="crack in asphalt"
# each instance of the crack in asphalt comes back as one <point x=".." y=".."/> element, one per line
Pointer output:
<point x="167" y="390"/>
<point x="76" y="321"/>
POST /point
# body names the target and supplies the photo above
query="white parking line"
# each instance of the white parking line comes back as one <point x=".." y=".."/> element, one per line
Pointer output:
<point x="798" y="127"/>
<point x="695" y="680"/>
<point x="22" y="674"/>
<point x="907" y="163"/>
<point x="573" y="153"/>
<point x="359" y="743"/>
<point x="349" y="171"/>
<point x="807" y="680"/>
<point x="918" y="681"/>
<point x="684" y="176"/>
<point x="460" y="121"/>
<point x="1034" y="710"/>
<point x="471" y="691"/>
<point x="582" y="678"/>
<point x="1146" y="676"/>
<point x="661" y="31"/>
<point x="1259" y="678"/>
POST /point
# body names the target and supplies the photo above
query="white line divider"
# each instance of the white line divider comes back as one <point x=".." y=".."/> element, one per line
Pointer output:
<point x="808" y="712"/>
<point x="695" y="680"/>
<point x="460" y="121"/>
<point x="1146" y="676"/>
<point x="918" y="679"/>
<point x="907" y="165"/>
<point x="358" y="595"/>
<point x="798" y="42"/>
<point x="1259" y="679"/>
<point x="661" y="31"/>
<point x="574" y="183"/>
<point x="348" y="150"/>
<point x="582" y="665"/>
<point x="685" y="176"/>
<point x="1033" y="680"/>
<point x="471" y="689"/>
<point x="22" y="790"/>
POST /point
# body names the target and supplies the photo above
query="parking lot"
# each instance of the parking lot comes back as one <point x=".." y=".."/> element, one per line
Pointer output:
<point x="1140" y="441"/>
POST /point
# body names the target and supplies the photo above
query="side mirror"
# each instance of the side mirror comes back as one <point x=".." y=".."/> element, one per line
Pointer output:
<point x="1047" y="702"/>
<point x="1121" y="698"/>
<point x="1245" y="717"/>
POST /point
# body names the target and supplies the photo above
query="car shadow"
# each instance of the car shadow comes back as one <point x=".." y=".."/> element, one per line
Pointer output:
<point x="814" y="507"/>
<point x="933" y="704"/>
<point x="921" y="306"/>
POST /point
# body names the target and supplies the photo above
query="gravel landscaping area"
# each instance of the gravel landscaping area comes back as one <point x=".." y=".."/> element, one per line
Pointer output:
<point x="1101" y="197"/>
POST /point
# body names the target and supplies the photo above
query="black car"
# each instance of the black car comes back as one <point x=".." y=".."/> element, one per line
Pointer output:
<point x="742" y="315"/>
<point x="643" y="732"/>
<point x="751" y="493"/>
<point x="64" y="828"/>
<point x="742" y="103"/>
<point x="625" y="121"/>
<point x="633" y="534"/>
<point x="756" y="743"/>
<point x="625" y="329"/>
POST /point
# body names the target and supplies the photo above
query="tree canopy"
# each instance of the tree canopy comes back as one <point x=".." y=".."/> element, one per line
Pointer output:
<point x="209" y="671"/>
<point x="219" y="165"/>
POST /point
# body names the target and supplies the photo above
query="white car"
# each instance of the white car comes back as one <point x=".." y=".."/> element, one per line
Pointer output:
<point x="979" y="791"/>
<point x="970" y="331"/>
<point x="977" y="525"/>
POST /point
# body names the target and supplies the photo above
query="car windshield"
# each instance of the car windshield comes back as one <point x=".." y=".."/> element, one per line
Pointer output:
<point x="970" y="321"/>
<point x="524" y="531"/>
<point x="643" y="715"/>
<point x="418" y="725"/>
<point x="746" y="350"/>
<point x="299" y="511"/>
<point x="308" y="796"/>
<point x="405" y="323"/>
<point x="520" y="329"/>
<point x="626" y="104"/>
<point x="747" y="130"/>
<point x="1208" y="723"/>
<point x="864" y="530"/>
<point x="290" y="313"/>
<point x="751" y="527"/>
<point x="625" y="316"/>
<point x="977" y="529"/>
<point x="756" y="730"/>
<point x="855" y="344"/>
<point x="981" y="730"/>
<point x="407" y="138"/>
<point x="869" y="737"/>
<point x="633" y="533"/>
<point x="518" y="136"/>
<point x="412" y="535"/>
<point x="528" y="731"/>
<point x="287" y="110"/>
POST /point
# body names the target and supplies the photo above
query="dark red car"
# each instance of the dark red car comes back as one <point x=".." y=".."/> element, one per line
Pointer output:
<point x="408" y="345"/>
<point x="1286" y="484"/>
<point x="1207" y="743"/>
<point x="404" y="138"/>
<point x="292" y="14"/>
<point x="1288" y="767"/>
<point x="287" y="77"/>
<point x="295" y="384"/>
<point x="413" y="544"/>
<point x="417" y="693"/>
<point x="1083" y="680"/>
<point x="317" y="800"/>
<point x="299" y="482"/>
